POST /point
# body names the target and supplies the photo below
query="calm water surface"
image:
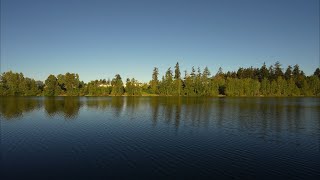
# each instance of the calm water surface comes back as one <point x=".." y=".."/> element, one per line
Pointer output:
<point x="132" y="137"/>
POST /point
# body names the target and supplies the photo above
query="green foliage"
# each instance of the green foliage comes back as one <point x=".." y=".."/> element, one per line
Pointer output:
<point x="234" y="87"/>
<point x="154" y="83"/>
<point x="188" y="88"/>
<point x="281" y="86"/>
<point x="317" y="73"/>
<point x="133" y="87"/>
<point x="288" y="73"/>
<point x="29" y="87"/>
<point x="68" y="84"/>
<point x="213" y="88"/>
<point x="265" y="87"/>
<point x="166" y="86"/>
<point x="277" y="70"/>
<point x="117" y="86"/>
<point x="12" y="83"/>
<point x="97" y="88"/>
<point x="250" y="81"/>
<point x="15" y="84"/>
<point x="314" y="85"/>
<point x="51" y="86"/>
<point x="72" y="84"/>
<point x="263" y="72"/>
<point x="177" y="84"/>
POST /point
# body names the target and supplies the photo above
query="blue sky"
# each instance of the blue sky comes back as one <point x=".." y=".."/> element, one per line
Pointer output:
<point x="98" y="39"/>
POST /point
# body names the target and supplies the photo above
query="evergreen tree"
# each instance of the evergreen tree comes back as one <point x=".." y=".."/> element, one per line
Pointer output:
<point x="168" y="82"/>
<point x="198" y="84"/>
<point x="206" y="83"/>
<point x="177" y="74"/>
<point x="263" y="72"/>
<point x="296" y="71"/>
<point x="177" y="80"/>
<point x="317" y="72"/>
<point x="220" y="72"/>
<point x="155" y="82"/>
<point x="288" y="73"/>
<point x="277" y="69"/>
<point x="271" y="74"/>
<point x="188" y="84"/>
<point x="245" y="82"/>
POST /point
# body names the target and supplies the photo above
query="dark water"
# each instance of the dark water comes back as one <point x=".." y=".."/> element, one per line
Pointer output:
<point x="148" y="137"/>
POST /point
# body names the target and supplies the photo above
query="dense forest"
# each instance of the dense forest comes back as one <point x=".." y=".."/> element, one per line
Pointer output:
<point x="263" y="81"/>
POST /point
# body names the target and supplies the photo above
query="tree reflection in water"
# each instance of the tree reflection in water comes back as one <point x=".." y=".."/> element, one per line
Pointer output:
<point x="15" y="107"/>
<point x="260" y="116"/>
<point x="68" y="106"/>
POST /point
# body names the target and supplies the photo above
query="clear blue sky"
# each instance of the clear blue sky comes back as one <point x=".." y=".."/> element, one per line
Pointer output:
<point x="98" y="39"/>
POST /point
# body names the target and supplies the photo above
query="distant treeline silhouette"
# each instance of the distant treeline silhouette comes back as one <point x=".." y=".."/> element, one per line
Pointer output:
<point x="263" y="81"/>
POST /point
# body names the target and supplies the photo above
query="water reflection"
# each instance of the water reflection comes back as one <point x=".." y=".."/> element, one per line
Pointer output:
<point x="117" y="104"/>
<point x="154" y="104"/>
<point x="257" y="115"/>
<point x="161" y="135"/>
<point x="67" y="106"/>
<point x="164" y="109"/>
<point x="194" y="111"/>
<point x="15" y="107"/>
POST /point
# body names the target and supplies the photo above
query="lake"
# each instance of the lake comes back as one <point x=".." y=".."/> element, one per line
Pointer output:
<point x="148" y="137"/>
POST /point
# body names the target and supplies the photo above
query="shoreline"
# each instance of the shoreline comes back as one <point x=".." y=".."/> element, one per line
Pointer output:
<point x="156" y="95"/>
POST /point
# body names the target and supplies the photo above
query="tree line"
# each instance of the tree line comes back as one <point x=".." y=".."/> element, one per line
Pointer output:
<point x="263" y="81"/>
